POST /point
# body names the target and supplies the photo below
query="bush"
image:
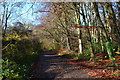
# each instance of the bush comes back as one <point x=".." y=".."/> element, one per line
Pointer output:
<point x="12" y="70"/>
<point x="83" y="58"/>
<point x="18" y="55"/>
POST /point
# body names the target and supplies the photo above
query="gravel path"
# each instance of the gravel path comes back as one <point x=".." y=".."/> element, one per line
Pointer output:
<point x="56" y="67"/>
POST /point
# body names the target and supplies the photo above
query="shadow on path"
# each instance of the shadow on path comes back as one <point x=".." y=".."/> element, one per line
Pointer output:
<point x="53" y="67"/>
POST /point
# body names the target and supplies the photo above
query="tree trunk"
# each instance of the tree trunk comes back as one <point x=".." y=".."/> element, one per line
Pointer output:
<point x="116" y="27"/>
<point x="68" y="43"/>
<point x="90" y="38"/>
<point x="108" y="41"/>
<point x="77" y="12"/>
<point x="80" y="40"/>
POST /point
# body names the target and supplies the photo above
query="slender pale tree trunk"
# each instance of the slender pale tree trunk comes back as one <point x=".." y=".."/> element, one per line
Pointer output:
<point x="78" y="29"/>
<point x="80" y="40"/>
<point x="68" y="43"/>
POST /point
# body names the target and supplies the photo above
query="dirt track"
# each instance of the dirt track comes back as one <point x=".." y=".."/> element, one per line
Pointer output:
<point x="54" y="67"/>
